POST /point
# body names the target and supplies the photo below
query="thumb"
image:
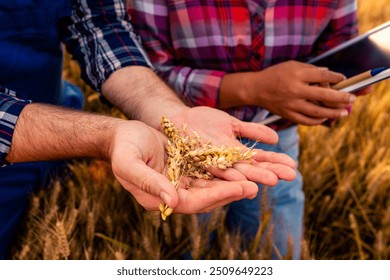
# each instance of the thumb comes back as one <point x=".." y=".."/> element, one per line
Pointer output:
<point x="154" y="183"/>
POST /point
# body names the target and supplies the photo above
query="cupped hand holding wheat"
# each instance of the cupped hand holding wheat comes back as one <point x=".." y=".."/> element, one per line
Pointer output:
<point x="138" y="159"/>
<point x="191" y="156"/>
<point x="221" y="129"/>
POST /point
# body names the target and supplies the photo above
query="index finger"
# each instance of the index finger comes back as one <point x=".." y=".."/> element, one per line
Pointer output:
<point x="319" y="75"/>
<point x="330" y="95"/>
<point x="273" y="157"/>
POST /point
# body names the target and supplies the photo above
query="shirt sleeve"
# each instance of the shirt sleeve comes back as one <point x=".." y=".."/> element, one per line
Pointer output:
<point x="342" y="26"/>
<point x="10" y="108"/>
<point x="196" y="86"/>
<point x="100" y="37"/>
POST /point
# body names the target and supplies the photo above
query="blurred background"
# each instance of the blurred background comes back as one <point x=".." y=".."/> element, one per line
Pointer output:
<point x="346" y="171"/>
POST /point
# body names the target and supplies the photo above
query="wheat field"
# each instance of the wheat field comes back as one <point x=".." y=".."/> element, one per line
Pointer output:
<point x="346" y="170"/>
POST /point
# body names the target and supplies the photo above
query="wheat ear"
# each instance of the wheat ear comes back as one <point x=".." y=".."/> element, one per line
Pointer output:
<point x="190" y="155"/>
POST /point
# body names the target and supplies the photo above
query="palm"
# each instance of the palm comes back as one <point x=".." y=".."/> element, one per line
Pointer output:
<point x="137" y="152"/>
<point x="223" y="129"/>
<point x="138" y="159"/>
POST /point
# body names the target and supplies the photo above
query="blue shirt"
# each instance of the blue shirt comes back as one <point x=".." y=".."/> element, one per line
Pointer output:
<point x="97" y="33"/>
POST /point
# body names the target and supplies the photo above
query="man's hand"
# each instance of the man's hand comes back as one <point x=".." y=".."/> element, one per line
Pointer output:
<point x="223" y="129"/>
<point x="136" y="153"/>
<point x="138" y="162"/>
<point x="140" y="94"/>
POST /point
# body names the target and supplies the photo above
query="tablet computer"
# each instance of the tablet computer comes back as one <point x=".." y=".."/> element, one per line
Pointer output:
<point x="365" y="52"/>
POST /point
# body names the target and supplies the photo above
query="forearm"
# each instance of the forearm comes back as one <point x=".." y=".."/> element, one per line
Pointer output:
<point x="141" y="95"/>
<point x="45" y="132"/>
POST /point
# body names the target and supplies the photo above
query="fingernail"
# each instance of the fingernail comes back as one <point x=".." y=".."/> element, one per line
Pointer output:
<point x="344" y="113"/>
<point x="166" y="198"/>
<point x="352" y="98"/>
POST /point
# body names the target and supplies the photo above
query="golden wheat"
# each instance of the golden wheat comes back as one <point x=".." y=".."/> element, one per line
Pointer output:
<point x="189" y="155"/>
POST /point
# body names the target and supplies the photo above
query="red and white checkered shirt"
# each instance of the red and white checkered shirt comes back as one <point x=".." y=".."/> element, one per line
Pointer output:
<point x="192" y="44"/>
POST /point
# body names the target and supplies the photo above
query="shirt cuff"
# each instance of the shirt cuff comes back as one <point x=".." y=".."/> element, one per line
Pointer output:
<point x="129" y="55"/>
<point x="198" y="87"/>
<point x="10" y="109"/>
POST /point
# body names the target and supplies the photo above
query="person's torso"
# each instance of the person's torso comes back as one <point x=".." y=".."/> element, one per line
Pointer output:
<point x="30" y="48"/>
<point x="246" y="35"/>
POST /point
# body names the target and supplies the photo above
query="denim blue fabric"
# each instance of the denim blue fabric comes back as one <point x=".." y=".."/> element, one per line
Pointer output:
<point x="18" y="181"/>
<point x="286" y="201"/>
<point x="72" y="96"/>
<point x="30" y="47"/>
<point x="31" y="57"/>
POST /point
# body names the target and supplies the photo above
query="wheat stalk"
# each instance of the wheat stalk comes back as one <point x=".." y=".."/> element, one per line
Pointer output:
<point x="189" y="155"/>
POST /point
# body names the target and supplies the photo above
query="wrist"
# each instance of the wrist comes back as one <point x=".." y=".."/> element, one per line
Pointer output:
<point x="247" y="88"/>
<point x="141" y="95"/>
<point x="235" y="90"/>
<point x="105" y="138"/>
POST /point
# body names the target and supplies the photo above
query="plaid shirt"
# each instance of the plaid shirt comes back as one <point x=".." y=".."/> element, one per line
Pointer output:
<point x="192" y="44"/>
<point x="100" y="37"/>
<point x="102" y="40"/>
<point x="10" y="108"/>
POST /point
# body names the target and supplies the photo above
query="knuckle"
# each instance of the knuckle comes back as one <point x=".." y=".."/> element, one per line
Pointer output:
<point x="316" y="113"/>
<point x="326" y="95"/>
<point x="295" y="91"/>
<point x="346" y="97"/>
<point x="145" y="184"/>
<point x="327" y="76"/>
<point x="334" y="113"/>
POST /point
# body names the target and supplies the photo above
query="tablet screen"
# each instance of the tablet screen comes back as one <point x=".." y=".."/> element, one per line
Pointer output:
<point x="368" y="51"/>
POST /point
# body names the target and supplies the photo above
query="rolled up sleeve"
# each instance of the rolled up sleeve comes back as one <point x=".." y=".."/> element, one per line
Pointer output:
<point x="100" y="37"/>
<point x="10" y="109"/>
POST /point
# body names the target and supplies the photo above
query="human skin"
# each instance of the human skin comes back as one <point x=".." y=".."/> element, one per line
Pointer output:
<point x="141" y="95"/>
<point x="293" y="90"/>
<point x="134" y="150"/>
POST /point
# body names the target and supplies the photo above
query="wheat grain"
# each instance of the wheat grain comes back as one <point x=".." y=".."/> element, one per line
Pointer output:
<point x="63" y="245"/>
<point x="50" y="251"/>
